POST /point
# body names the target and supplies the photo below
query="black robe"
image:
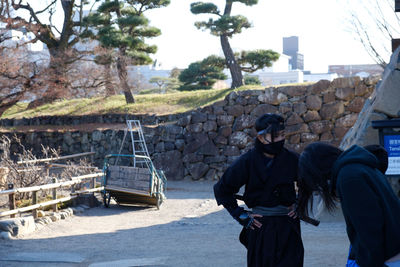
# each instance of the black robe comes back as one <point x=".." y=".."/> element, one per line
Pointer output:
<point x="268" y="182"/>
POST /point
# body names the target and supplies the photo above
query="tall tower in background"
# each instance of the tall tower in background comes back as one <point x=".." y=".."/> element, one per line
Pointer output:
<point x="291" y="48"/>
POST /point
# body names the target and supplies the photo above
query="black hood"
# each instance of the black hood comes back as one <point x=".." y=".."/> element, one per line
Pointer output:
<point x="354" y="154"/>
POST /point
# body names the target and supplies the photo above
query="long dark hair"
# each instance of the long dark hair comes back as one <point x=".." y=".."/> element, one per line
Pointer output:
<point x="315" y="165"/>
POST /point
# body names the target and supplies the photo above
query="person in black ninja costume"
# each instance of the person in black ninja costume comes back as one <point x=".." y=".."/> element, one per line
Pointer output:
<point x="268" y="172"/>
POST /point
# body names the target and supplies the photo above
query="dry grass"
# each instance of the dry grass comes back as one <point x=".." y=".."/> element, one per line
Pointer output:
<point x="159" y="104"/>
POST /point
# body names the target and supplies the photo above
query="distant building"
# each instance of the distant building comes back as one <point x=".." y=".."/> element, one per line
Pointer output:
<point x="276" y="78"/>
<point x="291" y="48"/>
<point x="363" y="70"/>
<point x="315" y="77"/>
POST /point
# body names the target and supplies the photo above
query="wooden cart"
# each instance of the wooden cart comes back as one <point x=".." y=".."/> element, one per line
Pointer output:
<point x="142" y="184"/>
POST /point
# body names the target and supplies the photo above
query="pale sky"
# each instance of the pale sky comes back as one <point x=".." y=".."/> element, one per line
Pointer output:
<point x="320" y="25"/>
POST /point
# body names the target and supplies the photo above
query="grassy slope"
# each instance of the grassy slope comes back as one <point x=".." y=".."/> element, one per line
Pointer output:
<point x="159" y="104"/>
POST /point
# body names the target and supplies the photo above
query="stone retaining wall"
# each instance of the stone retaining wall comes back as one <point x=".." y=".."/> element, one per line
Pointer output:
<point x="202" y="143"/>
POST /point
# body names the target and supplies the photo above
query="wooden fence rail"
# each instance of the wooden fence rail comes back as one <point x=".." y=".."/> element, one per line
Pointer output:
<point x="34" y="189"/>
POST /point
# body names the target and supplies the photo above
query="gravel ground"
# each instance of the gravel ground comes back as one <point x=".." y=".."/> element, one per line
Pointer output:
<point x="188" y="230"/>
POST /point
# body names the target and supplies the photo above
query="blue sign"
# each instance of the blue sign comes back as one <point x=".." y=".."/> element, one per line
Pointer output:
<point x="392" y="145"/>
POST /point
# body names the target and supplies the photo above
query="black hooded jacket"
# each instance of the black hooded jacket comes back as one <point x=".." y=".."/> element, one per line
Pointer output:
<point x="268" y="182"/>
<point x="370" y="207"/>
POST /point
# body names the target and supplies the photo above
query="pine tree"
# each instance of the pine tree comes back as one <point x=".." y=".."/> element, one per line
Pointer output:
<point x="121" y="25"/>
<point x="225" y="26"/>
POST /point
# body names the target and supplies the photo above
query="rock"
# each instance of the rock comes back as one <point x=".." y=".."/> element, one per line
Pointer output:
<point x="225" y="131"/>
<point x="294" y="139"/>
<point x="239" y="139"/>
<point x="224" y="120"/>
<point x="55" y="217"/>
<point x="231" y="151"/>
<point x="220" y="140"/>
<point x="194" y="141"/>
<point x="313" y="102"/>
<point x="293" y="90"/>
<point x="285" y="107"/>
<point x="299" y="108"/>
<point x="311" y="115"/>
<point x="318" y="127"/>
<point x="240" y="100"/>
<point x="296" y="129"/>
<point x="231" y="97"/>
<point x="180" y="144"/>
<point x="68" y="138"/>
<point x="159" y="147"/>
<point x="327" y="137"/>
<point x="78" y="210"/>
<point x="5" y="235"/>
<point x="18" y="226"/>
<point x="218" y="110"/>
<point x="235" y="110"/>
<point x="173" y="129"/>
<point x="331" y="110"/>
<point x="309" y="137"/>
<point x="195" y="128"/>
<point x="40" y="213"/>
<point x="214" y="159"/>
<point x="319" y="87"/>
<point x="356" y="105"/>
<point x="211" y="174"/>
<point x="373" y="79"/>
<point x="344" y="93"/>
<point x="198" y="117"/>
<point x="329" y="97"/>
<point x="197" y="170"/>
<point x="346" y="82"/>
<point x="170" y="162"/>
<point x="339" y="132"/>
<point x="294" y="119"/>
<point x="272" y="96"/>
<point x="63" y="215"/>
<point x="346" y="121"/>
<point x="184" y="121"/>
<point x="97" y="136"/>
<point x="208" y="149"/>
<point x="244" y="121"/>
<point x="262" y="109"/>
<point x="361" y="89"/>
<point x="209" y="126"/>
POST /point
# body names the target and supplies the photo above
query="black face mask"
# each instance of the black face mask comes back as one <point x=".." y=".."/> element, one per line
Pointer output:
<point x="271" y="148"/>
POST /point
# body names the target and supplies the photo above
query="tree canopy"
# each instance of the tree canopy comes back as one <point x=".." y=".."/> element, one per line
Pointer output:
<point x="203" y="74"/>
<point x="225" y="25"/>
<point x="122" y="26"/>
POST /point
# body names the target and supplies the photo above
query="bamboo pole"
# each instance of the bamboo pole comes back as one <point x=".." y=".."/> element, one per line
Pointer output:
<point x="56" y="158"/>
<point x="87" y="191"/>
<point x="75" y="180"/>
<point x="36" y="206"/>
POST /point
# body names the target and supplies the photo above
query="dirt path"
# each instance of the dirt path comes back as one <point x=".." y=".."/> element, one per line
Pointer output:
<point x="188" y="230"/>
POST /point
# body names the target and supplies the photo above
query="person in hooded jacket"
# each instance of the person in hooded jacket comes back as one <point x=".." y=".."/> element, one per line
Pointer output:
<point x="370" y="207"/>
<point x="268" y="172"/>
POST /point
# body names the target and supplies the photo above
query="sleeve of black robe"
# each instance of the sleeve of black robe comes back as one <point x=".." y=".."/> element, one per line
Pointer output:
<point x="230" y="183"/>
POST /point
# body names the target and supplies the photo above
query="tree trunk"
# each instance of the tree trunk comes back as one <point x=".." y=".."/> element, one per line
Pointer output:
<point x="123" y="79"/>
<point x="56" y="84"/>
<point x="110" y="90"/>
<point x="234" y="68"/>
<point x="10" y="100"/>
